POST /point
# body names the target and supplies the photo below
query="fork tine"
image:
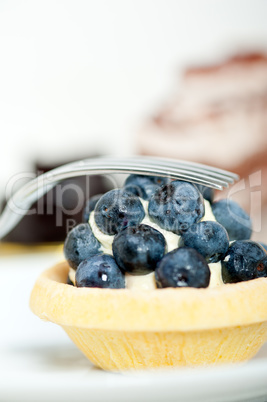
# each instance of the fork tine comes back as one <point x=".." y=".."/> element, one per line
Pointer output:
<point x="195" y="165"/>
<point x="198" y="170"/>
<point x="178" y="173"/>
<point x="148" y="170"/>
<point x="190" y="166"/>
<point x="212" y="173"/>
<point x="144" y="166"/>
<point x="187" y="166"/>
<point x="21" y="201"/>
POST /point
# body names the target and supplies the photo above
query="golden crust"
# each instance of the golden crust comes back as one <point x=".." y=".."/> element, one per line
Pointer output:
<point x="169" y="309"/>
<point x="122" y="350"/>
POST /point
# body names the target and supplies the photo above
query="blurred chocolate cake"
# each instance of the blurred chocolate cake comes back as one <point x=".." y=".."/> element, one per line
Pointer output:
<point x="217" y="116"/>
<point x="54" y="214"/>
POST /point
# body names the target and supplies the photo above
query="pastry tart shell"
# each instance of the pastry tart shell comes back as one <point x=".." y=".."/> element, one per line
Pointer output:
<point x="120" y="329"/>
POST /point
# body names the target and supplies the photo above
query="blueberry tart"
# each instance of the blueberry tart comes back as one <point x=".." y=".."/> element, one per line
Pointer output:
<point x="152" y="279"/>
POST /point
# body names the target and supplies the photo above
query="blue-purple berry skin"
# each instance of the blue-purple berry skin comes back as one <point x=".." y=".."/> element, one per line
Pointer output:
<point x="100" y="271"/>
<point x="137" y="249"/>
<point x="235" y="220"/>
<point x="209" y="238"/>
<point x="80" y="244"/>
<point x="118" y="209"/>
<point x="90" y="206"/>
<point x="245" y="260"/>
<point x="176" y="206"/>
<point x="144" y="186"/>
<point x="182" y="267"/>
<point x="207" y="192"/>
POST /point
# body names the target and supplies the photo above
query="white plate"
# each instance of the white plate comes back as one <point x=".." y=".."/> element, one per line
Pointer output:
<point x="39" y="363"/>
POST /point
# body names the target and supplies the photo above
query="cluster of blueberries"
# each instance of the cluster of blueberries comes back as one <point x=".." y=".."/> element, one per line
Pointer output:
<point x="139" y="249"/>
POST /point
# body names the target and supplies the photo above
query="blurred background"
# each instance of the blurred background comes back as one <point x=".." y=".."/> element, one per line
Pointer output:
<point x="179" y="78"/>
<point x="82" y="78"/>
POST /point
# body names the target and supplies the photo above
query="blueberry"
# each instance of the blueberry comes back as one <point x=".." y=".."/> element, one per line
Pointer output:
<point x="99" y="271"/>
<point x="207" y="192"/>
<point x="235" y="220"/>
<point x="263" y="245"/>
<point x="118" y="209"/>
<point x="90" y="206"/>
<point x="245" y="260"/>
<point x="80" y="244"/>
<point x="143" y="186"/>
<point x="176" y="206"/>
<point x="182" y="267"/>
<point x="209" y="238"/>
<point x="137" y="249"/>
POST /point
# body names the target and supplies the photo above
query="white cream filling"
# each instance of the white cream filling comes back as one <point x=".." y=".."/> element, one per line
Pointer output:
<point x="104" y="239"/>
<point x="148" y="281"/>
<point x="170" y="237"/>
<point x="215" y="274"/>
<point x="72" y="275"/>
<point x="138" y="282"/>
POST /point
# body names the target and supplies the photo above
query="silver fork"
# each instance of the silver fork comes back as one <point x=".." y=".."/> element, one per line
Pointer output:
<point x="18" y="205"/>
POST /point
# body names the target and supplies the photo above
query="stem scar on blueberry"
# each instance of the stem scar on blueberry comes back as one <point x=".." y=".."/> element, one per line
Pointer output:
<point x="182" y="278"/>
<point x="260" y="267"/>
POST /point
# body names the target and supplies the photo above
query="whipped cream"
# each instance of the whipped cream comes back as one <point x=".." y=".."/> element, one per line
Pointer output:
<point x="148" y="281"/>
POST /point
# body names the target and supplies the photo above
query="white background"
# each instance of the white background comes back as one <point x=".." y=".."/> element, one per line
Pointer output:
<point x="78" y="77"/>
